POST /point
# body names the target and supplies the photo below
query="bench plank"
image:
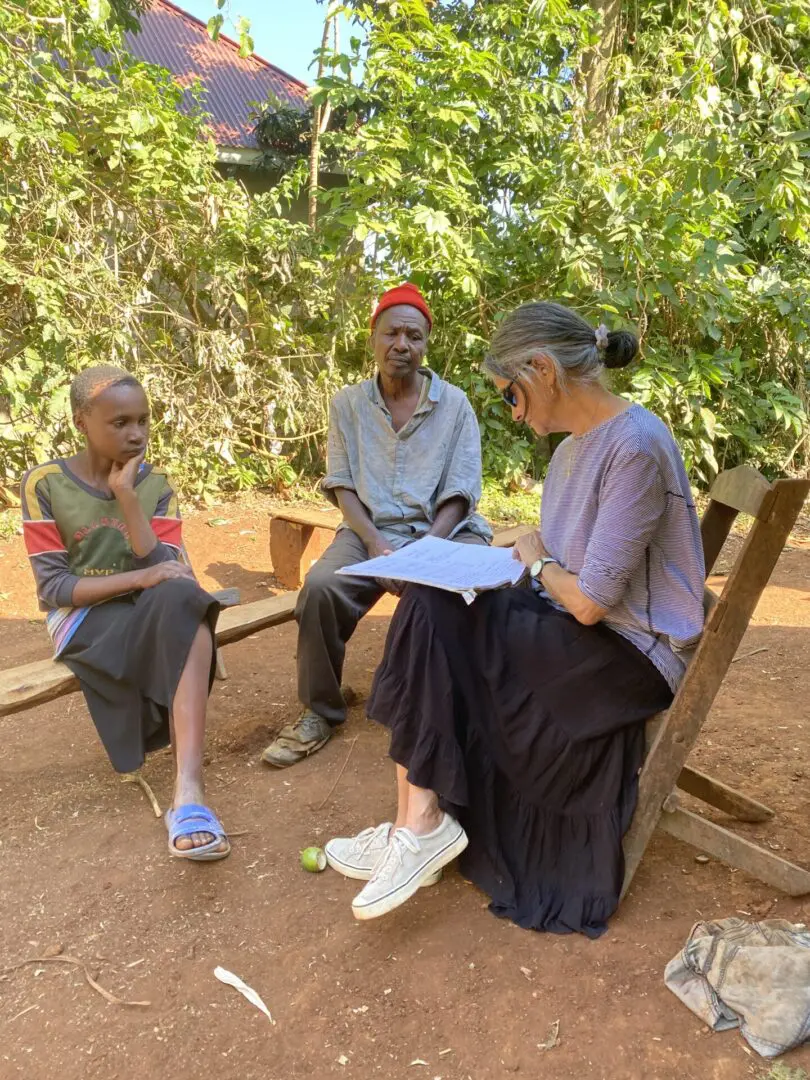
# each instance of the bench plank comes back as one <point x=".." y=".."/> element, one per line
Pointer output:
<point x="240" y="622"/>
<point x="304" y="515"/>
<point x="506" y="538"/>
<point x="24" y="687"/>
<point x="33" y="684"/>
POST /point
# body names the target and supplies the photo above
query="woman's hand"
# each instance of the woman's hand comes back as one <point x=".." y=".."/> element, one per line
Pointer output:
<point x="529" y="548"/>
<point x="124" y="474"/>
<point x="164" y="571"/>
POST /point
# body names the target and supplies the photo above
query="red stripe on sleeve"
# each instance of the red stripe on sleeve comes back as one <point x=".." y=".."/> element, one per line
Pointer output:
<point x="168" y="531"/>
<point x="42" y="536"/>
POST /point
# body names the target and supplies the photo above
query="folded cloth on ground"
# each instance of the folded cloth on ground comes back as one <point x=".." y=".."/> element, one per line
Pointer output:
<point x="756" y="976"/>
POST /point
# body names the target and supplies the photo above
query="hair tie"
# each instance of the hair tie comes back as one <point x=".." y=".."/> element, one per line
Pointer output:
<point x="601" y="335"/>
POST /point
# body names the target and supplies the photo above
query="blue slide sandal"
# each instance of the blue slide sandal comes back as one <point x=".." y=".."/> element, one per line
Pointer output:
<point x="190" y="819"/>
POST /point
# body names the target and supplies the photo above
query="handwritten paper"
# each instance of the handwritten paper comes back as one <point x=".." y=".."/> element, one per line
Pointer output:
<point x="463" y="568"/>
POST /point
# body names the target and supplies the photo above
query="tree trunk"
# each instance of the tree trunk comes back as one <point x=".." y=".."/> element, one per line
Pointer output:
<point x="596" y="61"/>
<point x="320" y="119"/>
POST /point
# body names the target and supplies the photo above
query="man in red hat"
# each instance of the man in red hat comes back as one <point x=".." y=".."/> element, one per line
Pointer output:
<point x="403" y="462"/>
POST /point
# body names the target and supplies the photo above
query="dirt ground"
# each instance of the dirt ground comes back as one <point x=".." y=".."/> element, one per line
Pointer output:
<point x="440" y="989"/>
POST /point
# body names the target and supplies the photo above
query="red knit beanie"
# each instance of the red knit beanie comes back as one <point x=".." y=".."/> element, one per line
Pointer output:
<point x="403" y="294"/>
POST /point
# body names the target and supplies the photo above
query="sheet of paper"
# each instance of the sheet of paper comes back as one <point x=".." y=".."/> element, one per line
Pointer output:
<point x="464" y="568"/>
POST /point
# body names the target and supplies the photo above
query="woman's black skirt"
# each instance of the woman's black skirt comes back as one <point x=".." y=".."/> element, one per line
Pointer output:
<point x="128" y="654"/>
<point x="530" y="728"/>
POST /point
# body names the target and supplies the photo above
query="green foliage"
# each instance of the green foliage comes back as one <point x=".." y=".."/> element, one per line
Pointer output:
<point x="9" y="523"/>
<point x="284" y="134"/>
<point x="683" y="212"/>
<point x="241" y="28"/>
<point x="784" y="1072"/>
<point x="474" y="165"/>
<point x="120" y="242"/>
<point x="505" y="506"/>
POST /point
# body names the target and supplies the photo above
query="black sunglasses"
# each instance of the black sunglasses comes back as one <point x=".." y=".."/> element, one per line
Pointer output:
<point x="509" y="395"/>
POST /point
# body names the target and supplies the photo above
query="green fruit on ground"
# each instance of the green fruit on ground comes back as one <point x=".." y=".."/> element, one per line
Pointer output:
<point x="313" y="859"/>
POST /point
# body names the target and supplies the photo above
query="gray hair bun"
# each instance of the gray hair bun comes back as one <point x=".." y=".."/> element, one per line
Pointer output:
<point x="579" y="351"/>
<point x="620" y="349"/>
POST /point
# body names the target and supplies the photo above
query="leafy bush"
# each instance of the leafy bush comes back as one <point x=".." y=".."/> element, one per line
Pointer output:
<point x="651" y="172"/>
<point x="119" y="242"/>
<point x="672" y="198"/>
<point x="505" y="506"/>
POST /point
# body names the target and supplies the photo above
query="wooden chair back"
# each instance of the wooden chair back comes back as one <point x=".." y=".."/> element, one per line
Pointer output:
<point x="774" y="509"/>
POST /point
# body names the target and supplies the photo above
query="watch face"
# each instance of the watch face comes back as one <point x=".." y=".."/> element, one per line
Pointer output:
<point x="536" y="568"/>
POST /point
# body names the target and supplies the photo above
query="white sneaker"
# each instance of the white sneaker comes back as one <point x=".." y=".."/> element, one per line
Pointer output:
<point x="407" y="863"/>
<point x="356" y="856"/>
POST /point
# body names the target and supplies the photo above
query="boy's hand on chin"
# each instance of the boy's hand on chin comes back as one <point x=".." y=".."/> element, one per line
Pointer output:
<point x="123" y="474"/>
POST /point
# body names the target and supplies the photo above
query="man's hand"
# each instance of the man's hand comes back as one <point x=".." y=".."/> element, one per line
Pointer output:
<point x="164" y="571"/>
<point x="529" y="548"/>
<point x="378" y="545"/>
<point x="124" y="474"/>
<point x="396" y="588"/>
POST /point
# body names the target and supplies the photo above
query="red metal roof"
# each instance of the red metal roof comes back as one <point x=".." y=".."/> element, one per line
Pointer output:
<point x="231" y="85"/>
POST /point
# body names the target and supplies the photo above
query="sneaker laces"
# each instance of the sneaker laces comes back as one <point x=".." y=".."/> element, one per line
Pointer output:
<point x="402" y="841"/>
<point x="366" y="839"/>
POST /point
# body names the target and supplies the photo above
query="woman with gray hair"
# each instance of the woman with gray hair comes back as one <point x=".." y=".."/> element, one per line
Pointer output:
<point x="517" y="723"/>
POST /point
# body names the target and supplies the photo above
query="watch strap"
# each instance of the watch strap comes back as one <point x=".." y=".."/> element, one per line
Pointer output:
<point x="539" y="566"/>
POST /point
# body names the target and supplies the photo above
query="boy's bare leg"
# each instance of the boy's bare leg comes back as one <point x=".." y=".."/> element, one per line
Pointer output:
<point x="188" y="732"/>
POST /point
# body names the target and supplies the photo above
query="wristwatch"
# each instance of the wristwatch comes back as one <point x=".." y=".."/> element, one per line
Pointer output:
<point x="539" y="566"/>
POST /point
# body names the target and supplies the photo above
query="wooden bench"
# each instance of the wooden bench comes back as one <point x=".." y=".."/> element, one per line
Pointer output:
<point x="24" y="687"/>
<point x="672" y="734"/>
<point x="32" y="684"/>
<point x="299" y="536"/>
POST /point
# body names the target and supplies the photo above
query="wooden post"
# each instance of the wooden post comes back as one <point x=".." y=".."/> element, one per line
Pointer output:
<point x="298" y="538"/>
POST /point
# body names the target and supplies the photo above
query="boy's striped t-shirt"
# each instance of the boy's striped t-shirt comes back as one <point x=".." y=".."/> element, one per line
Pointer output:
<point x="72" y="530"/>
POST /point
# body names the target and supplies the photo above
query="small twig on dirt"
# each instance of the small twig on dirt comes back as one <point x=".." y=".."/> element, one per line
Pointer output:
<point x="136" y="778"/>
<point x="239" y="832"/>
<point x="745" y="655"/>
<point x="342" y="770"/>
<point x="22" y="1012"/>
<point x="113" y="1000"/>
